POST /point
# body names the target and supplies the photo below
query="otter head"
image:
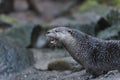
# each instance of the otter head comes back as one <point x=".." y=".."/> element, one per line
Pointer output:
<point x="59" y="34"/>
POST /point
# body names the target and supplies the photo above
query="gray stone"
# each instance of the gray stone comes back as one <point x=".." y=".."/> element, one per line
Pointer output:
<point x="110" y="33"/>
<point x="87" y="27"/>
<point x="113" y="16"/>
<point x="32" y="74"/>
<point x="95" y="21"/>
<point x="26" y="16"/>
<point x="111" y="75"/>
<point x="93" y="6"/>
<point x="102" y="24"/>
<point x="20" y="33"/>
<point x="87" y="17"/>
<point x="20" y="5"/>
<point x="38" y="39"/>
<point x="53" y="8"/>
<point x="13" y="59"/>
<point x="41" y="75"/>
<point x="45" y="56"/>
<point x="76" y="76"/>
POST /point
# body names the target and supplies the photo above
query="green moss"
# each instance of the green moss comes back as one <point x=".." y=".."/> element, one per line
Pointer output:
<point x="93" y="6"/>
<point x="8" y="19"/>
<point x="86" y="5"/>
<point x="114" y="3"/>
<point x="46" y="26"/>
<point x="117" y="4"/>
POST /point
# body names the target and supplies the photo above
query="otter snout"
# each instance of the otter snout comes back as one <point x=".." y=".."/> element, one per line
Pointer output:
<point x="51" y="36"/>
<point x="49" y="33"/>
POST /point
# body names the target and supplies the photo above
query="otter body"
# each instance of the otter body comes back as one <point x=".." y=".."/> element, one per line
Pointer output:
<point x="95" y="55"/>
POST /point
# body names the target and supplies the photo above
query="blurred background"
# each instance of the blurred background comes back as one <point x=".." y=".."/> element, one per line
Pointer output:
<point x="25" y="22"/>
<point x="98" y="18"/>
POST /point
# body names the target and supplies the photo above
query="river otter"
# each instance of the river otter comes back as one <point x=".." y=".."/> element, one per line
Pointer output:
<point x="97" y="56"/>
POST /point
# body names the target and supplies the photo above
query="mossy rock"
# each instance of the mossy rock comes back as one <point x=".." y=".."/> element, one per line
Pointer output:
<point x="93" y="6"/>
<point x="20" y="33"/>
<point x="114" y="3"/>
<point x="110" y="33"/>
<point x="8" y="19"/>
<point x="13" y="59"/>
<point x="85" y="26"/>
<point x="113" y="16"/>
<point x="23" y="34"/>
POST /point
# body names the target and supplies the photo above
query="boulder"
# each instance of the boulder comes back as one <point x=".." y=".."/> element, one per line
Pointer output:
<point x="111" y="75"/>
<point x="101" y="25"/>
<point x="113" y="16"/>
<point x="38" y="38"/>
<point x="53" y="8"/>
<point x="110" y="33"/>
<point x="46" y="56"/>
<point x="20" y="33"/>
<point x="87" y="27"/>
<point x="13" y="59"/>
<point x="93" y="6"/>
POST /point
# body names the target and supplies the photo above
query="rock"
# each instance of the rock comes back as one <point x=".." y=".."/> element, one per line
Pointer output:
<point x="90" y="17"/>
<point x="4" y="25"/>
<point x="55" y="75"/>
<point x="26" y="16"/>
<point x="113" y="32"/>
<point x="88" y="22"/>
<point x="45" y="56"/>
<point x="61" y="22"/>
<point x="21" y="34"/>
<point x="102" y="24"/>
<point x="87" y="27"/>
<point x="87" y="17"/>
<point x="76" y="76"/>
<point x="114" y="3"/>
<point x="28" y="35"/>
<point x="6" y="22"/>
<point x="93" y="6"/>
<point x="62" y="64"/>
<point x="6" y="6"/>
<point x="8" y="19"/>
<point x="111" y="75"/>
<point x="33" y="74"/>
<point x="113" y="16"/>
<point x="110" y="33"/>
<point x="41" y="75"/>
<point x="13" y="59"/>
<point x="38" y="39"/>
<point x="20" y="5"/>
<point x="41" y="42"/>
<point x="54" y="8"/>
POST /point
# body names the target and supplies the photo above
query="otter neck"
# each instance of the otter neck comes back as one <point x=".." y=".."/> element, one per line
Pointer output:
<point x="77" y="46"/>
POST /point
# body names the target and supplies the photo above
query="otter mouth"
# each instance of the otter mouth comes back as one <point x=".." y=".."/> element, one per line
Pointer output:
<point x="53" y="40"/>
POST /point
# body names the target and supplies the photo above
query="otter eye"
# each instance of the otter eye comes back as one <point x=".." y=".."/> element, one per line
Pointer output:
<point x="56" y="31"/>
<point x="70" y="31"/>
